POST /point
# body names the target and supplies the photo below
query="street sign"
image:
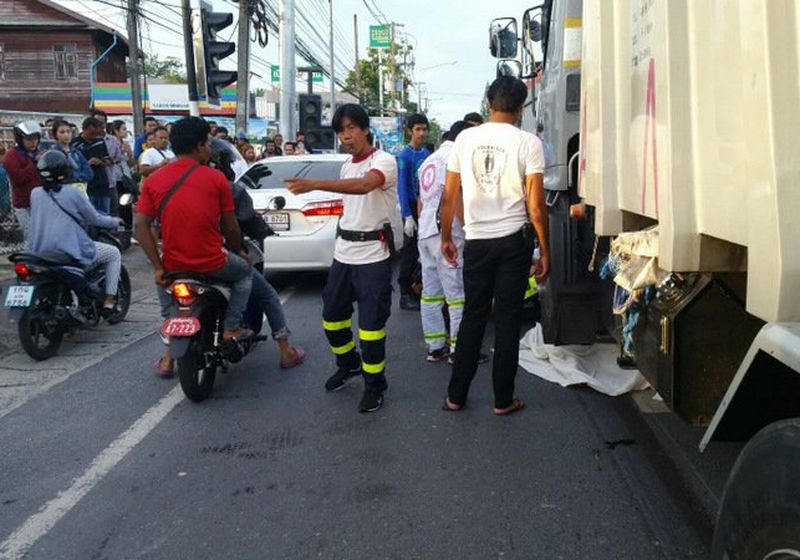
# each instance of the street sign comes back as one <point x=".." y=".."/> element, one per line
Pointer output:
<point x="380" y="36"/>
<point x="275" y="74"/>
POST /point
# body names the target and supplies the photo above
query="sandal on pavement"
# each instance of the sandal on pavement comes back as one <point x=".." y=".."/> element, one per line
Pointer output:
<point x="299" y="356"/>
<point x="516" y="406"/>
<point x="447" y="406"/>
<point x="161" y="370"/>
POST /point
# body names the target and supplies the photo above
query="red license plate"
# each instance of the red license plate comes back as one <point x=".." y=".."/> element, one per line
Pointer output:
<point x="180" y="326"/>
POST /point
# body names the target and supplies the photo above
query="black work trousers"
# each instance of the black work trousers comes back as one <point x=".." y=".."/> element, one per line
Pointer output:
<point x="494" y="270"/>
<point x="409" y="260"/>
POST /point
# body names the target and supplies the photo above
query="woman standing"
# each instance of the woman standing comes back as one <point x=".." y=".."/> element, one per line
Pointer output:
<point x="63" y="135"/>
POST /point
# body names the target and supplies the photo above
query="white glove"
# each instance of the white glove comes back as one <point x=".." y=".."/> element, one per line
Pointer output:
<point x="410" y="227"/>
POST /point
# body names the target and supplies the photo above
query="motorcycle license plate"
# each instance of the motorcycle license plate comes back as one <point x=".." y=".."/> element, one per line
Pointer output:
<point x="180" y="326"/>
<point x="19" y="296"/>
<point x="279" y="221"/>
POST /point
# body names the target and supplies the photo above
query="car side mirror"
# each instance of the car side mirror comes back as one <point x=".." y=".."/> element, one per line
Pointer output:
<point x="503" y="38"/>
<point x="509" y="67"/>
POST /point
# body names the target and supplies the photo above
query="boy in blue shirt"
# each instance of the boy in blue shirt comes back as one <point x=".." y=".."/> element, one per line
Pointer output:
<point x="408" y="163"/>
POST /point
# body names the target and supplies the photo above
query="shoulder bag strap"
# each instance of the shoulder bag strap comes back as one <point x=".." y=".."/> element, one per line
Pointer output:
<point x="74" y="219"/>
<point x="174" y="189"/>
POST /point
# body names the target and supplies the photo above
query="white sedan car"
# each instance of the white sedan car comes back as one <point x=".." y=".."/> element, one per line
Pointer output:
<point x="306" y="224"/>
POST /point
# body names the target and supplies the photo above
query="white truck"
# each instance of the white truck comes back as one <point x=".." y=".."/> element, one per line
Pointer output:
<point x="688" y="122"/>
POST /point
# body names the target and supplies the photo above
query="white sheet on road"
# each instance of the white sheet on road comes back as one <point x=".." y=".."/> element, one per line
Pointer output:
<point x="593" y="365"/>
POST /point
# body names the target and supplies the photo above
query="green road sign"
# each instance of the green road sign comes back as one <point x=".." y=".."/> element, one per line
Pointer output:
<point x="380" y="36"/>
<point x="275" y="74"/>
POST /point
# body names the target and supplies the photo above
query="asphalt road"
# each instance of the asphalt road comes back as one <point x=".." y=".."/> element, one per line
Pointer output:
<point x="113" y="463"/>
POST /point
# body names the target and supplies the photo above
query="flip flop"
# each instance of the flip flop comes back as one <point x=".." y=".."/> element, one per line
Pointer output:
<point x="161" y="370"/>
<point x="299" y="356"/>
<point x="446" y="406"/>
<point x="516" y="406"/>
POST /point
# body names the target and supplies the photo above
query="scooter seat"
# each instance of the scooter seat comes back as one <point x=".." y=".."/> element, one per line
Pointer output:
<point x="52" y="258"/>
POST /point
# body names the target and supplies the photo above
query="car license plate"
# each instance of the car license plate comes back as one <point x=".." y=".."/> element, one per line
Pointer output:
<point x="19" y="296"/>
<point x="279" y="221"/>
<point x="180" y="326"/>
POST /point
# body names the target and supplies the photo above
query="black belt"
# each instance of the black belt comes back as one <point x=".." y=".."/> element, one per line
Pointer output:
<point x="351" y="235"/>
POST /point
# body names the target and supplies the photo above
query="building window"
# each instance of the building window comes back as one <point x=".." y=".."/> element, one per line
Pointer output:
<point x="2" y="61"/>
<point x="66" y="59"/>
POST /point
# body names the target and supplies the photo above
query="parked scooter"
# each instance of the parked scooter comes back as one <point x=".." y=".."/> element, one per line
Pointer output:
<point x="55" y="295"/>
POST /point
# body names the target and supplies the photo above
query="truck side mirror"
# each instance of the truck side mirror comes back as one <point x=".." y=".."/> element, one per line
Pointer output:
<point x="503" y="38"/>
<point x="509" y="67"/>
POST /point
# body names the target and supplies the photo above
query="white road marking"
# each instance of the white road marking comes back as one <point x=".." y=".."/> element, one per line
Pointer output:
<point x="19" y="543"/>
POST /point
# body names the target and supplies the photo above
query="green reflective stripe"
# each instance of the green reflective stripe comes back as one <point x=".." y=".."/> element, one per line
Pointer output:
<point x="455" y="302"/>
<point x="373" y="369"/>
<point x="371" y="336"/>
<point x="432" y="299"/>
<point x="532" y="288"/>
<point x="436" y="336"/>
<point x="336" y="325"/>
<point x="339" y="350"/>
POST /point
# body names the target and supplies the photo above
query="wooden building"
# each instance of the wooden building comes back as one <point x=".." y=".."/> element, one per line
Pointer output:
<point x="46" y="56"/>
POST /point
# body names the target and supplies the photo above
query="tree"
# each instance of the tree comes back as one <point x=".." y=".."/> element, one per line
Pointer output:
<point x="169" y="69"/>
<point x="366" y="87"/>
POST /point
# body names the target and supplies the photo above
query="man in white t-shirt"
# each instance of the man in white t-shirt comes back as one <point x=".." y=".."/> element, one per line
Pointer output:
<point x="361" y="270"/>
<point x="496" y="170"/>
<point x="159" y="155"/>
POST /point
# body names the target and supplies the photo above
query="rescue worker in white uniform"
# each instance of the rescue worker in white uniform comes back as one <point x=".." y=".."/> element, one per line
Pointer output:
<point x="441" y="282"/>
<point x="361" y="271"/>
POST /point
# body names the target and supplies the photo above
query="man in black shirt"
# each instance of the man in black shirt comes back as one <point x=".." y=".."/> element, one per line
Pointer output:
<point x="91" y="143"/>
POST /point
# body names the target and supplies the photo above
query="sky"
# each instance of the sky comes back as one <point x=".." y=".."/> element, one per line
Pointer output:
<point x="449" y="35"/>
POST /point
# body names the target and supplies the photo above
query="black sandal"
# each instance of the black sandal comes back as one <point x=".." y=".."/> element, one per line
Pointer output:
<point x="446" y="407"/>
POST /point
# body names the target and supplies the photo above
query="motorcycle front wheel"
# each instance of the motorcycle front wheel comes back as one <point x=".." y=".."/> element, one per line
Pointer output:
<point x="196" y="375"/>
<point x="40" y="333"/>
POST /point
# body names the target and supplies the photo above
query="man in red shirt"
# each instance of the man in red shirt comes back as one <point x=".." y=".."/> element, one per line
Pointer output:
<point x="196" y="221"/>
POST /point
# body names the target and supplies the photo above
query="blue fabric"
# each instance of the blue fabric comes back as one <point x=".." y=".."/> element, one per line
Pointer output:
<point x="102" y="203"/>
<point x="5" y="191"/>
<point x="52" y="230"/>
<point x="81" y="170"/>
<point x="408" y="163"/>
<point x="138" y="145"/>
<point x="237" y="273"/>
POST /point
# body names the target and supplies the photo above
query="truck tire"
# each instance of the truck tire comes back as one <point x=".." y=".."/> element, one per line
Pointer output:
<point x="759" y="517"/>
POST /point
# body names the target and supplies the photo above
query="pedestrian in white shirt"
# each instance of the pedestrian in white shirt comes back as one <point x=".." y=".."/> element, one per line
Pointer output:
<point x="496" y="169"/>
<point x="362" y="270"/>
<point x="442" y="283"/>
<point x="159" y="155"/>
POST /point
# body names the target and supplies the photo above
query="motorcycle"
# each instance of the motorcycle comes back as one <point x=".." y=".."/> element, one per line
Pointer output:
<point x="55" y="295"/>
<point x="194" y="330"/>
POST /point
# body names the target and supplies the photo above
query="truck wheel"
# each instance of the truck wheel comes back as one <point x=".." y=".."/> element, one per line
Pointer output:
<point x="759" y="517"/>
<point x="195" y="373"/>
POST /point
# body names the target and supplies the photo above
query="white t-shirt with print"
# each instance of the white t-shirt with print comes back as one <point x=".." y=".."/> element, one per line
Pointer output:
<point x="369" y="212"/>
<point x="154" y="156"/>
<point x="432" y="175"/>
<point x="493" y="160"/>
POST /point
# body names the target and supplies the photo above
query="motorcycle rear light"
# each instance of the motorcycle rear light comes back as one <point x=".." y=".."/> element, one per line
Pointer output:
<point x="324" y="208"/>
<point x="22" y="270"/>
<point x="183" y="293"/>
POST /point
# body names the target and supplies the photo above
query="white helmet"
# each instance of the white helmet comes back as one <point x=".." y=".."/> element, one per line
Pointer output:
<point x="25" y="129"/>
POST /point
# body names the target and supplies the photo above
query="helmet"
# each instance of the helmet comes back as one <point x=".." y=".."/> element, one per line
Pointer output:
<point x="26" y="128"/>
<point x="222" y="157"/>
<point x="54" y="167"/>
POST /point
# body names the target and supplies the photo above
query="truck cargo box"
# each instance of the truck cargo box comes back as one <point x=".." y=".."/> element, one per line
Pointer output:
<point x="690" y="118"/>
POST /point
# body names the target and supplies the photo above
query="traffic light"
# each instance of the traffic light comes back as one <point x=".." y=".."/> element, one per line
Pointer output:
<point x="321" y="138"/>
<point x="310" y="107"/>
<point x="212" y="23"/>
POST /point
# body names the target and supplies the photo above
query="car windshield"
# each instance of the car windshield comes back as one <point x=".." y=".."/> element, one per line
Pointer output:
<point x="307" y="169"/>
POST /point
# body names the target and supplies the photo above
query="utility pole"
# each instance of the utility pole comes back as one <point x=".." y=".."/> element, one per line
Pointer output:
<point x="330" y="47"/>
<point x="380" y="79"/>
<point x="287" y="50"/>
<point x="191" y="74"/>
<point x="243" y="67"/>
<point x="358" y="72"/>
<point x="136" y="78"/>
